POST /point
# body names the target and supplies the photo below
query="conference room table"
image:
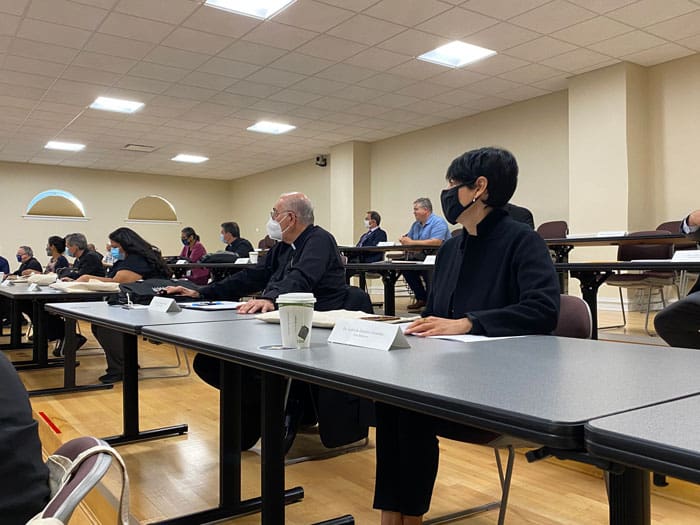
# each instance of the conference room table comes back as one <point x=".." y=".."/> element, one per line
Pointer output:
<point x="592" y="275"/>
<point x="390" y="272"/>
<point x="540" y="388"/>
<point x="218" y="270"/>
<point x="21" y="292"/>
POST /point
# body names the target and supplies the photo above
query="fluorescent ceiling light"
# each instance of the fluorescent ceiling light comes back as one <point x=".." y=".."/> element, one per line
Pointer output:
<point x="116" y="104"/>
<point x="261" y="9"/>
<point x="64" y="146"/>
<point x="194" y="159"/>
<point x="274" y="128"/>
<point x="456" y="54"/>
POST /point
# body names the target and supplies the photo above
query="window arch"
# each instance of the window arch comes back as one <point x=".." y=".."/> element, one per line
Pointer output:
<point x="55" y="203"/>
<point x="152" y="208"/>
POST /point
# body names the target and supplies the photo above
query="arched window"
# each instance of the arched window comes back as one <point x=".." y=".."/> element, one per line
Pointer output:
<point x="152" y="208"/>
<point x="55" y="203"/>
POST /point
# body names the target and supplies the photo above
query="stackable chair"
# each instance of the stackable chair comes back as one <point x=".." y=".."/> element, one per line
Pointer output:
<point x="675" y="227"/>
<point x="574" y="321"/>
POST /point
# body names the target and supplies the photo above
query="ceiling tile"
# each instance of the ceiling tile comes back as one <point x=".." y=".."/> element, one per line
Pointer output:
<point x="647" y="12"/>
<point x="5" y="42"/>
<point x="531" y="74"/>
<point x="66" y="13"/>
<point x="103" y="62"/>
<point x="279" y="35"/>
<point x="229" y="68"/>
<point x="294" y="96"/>
<point x="52" y="33"/>
<point x="359" y="93"/>
<point x="331" y="48"/>
<point x="387" y="82"/>
<point x="486" y="103"/>
<point x="197" y="41"/>
<point x="331" y="103"/>
<point x="275" y="77"/>
<point x="424" y="90"/>
<point x="170" y="11"/>
<point x="573" y="61"/>
<point x="458" y="97"/>
<point x="169" y="56"/>
<point x="591" y="31"/>
<point x="208" y="80"/>
<point x="234" y="100"/>
<point x="627" y="44"/>
<point x="496" y="65"/>
<point x="9" y="24"/>
<point x="158" y="72"/>
<point x="413" y="43"/>
<point x="149" y="85"/>
<point x="253" y="89"/>
<point x="378" y="59"/>
<point x="320" y="86"/>
<point x="252" y="53"/>
<point x="417" y="69"/>
<point x="540" y="49"/>
<point x="95" y="76"/>
<point x="300" y="63"/>
<point x="692" y="42"/>
<point x="680" y="27"/>
<point x="406" y="13"/>
<point x="502" y="9"/>
<point x="502" y="36"/>
<point x="135" y="28"/>
<point x="313" y="16"/>
<point x="220" y="22"/>
<point x="117" y="46"/>
<point x="602" y="6"/>
<point x="28" y="65"/>
<point x="13" y="7"/>
<point x="522" y="93"/>
<point x="553" y="16"/>
<point x="458" y="78"/>
<point x="346" y="73"/>
<point x="658" y="55"/>
<point x="370" y="110"/>
<point x="366" y="30"/>
<point x="593" y="67"/>
<point x="457" y="23"/>
<point x="492" y="85"/>
<point x="431" y="107"/>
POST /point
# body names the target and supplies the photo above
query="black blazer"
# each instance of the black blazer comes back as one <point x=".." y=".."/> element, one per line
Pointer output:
<point x="374" y="238"/>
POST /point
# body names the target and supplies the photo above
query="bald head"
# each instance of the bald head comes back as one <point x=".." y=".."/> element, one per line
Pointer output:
<point x="299" y="204"/>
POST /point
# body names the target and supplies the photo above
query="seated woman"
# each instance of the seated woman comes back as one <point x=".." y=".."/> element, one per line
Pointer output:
<point x="193" y="251"/>
<point x="135" y="259"/>
<point x="496" y="279"/>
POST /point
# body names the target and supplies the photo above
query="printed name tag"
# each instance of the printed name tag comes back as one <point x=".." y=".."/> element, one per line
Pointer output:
<point x="429" y="259"/>
<point x="181" y="261"/>
<point x="241" y="260"/>
<point x="163" y="304"/>
<point x="33" y="287"/>
<point x="369" y="334"/>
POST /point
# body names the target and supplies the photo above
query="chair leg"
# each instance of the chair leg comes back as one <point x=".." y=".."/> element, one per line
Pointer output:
<point x="646" y="320"/>
<point x="624" y="317"/>
<point x="177" y="365"/>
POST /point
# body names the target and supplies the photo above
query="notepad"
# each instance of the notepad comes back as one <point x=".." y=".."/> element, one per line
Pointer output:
<point x="212" y="305"/>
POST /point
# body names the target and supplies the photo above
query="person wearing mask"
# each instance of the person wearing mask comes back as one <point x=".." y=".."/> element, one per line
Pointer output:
<point x="231" y="236"/>
<point x="373" y="236"/>
<point x="496" y="279"/>
<point x="27" y="263"/>
<point x="24" y="478"/>
<point x="87" y="262"/>
<point x="193" y="251"/>
<point x="306" y="259"/>
<point x="134" y="259"/>
<point x="428" y="231"/>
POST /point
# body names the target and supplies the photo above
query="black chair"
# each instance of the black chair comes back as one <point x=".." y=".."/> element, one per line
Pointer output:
<point x="574" y="321"/>
<point x="675" y="227"/>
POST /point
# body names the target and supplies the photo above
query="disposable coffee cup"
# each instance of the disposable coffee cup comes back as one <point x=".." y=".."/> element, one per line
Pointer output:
<point x="296" y="317"/>
<point x="253" y="257"/>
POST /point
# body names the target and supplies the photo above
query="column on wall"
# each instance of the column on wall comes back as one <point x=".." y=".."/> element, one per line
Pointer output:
<point x="349" y="190"/>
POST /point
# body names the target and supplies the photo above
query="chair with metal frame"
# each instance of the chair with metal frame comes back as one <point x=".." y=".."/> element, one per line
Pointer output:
<point x="574" y="321"/>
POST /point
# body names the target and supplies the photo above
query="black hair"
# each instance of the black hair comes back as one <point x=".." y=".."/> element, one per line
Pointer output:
<point x="132" y="243"/>
<point x="189" y="232"/>
<point x="497" y="165"/>
<point x="373" y="215"/>
<point x="57" y="242"/>
<point x="232" y="228"/>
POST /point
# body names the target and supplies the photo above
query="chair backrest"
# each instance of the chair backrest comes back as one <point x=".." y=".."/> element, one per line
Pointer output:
<point x="553" y="229"/>
<point x="456" y="232"/>
<point x="670" y="226"/>
<point x="629" y="252"/>
<point x="574" y="318"/>
<point x="358" y="299"/>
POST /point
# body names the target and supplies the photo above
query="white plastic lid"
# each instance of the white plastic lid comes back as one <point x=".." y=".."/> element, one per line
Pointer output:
<point x="297" y="297"/>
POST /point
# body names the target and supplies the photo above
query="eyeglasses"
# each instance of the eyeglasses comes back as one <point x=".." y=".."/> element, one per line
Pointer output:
<point x="275" y="213"/>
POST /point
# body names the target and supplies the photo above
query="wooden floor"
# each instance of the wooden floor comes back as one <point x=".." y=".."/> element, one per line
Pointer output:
<point x="178" y="475"/>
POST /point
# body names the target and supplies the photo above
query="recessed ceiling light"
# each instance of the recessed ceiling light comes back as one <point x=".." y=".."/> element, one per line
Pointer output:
<point x="456" y="54"/>
<point x="261" y="9"/>
<point x="194" y="159"/>
<point x="116" y="104"/>
<point x="64" y="146"/>
<point x="274" y="128"/>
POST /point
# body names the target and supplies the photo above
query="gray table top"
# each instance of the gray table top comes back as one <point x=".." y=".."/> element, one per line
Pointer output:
<point x="538" y="387"/>
<point x="21" y="291"/>
<point x="132" y="320"/>
<point x="664" y="438"/>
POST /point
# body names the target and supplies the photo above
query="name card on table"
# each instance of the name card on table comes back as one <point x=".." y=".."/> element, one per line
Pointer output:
<point x="181" y="261"/>
<point x="686" y="256"/>
<point x="613" y="233"/>
<point x="368" y="334"/>
<point x="386" y="243"/>
<point x="164" y="304"/>
<point x="242" y="260"/>
<point x="7" y="282"/>
<point x="33" y="287"/>
<point x="429" y="259"/>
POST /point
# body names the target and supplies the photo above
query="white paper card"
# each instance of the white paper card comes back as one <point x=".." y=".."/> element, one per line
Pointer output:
<point x="613" y="233"/>
<point x="6" y="282"/>
<point x="368" y="334"/>
<point x="33" y="287"/>
<point x="241" y="260"/>
<point x="386" y="243"/>
<point x="163" y="304"/>
<point x="686" y="255"/>
<point x="429" y="259"/>
<point x="181" y="261"/>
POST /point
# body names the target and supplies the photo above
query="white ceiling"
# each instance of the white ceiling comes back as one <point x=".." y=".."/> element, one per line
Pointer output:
<point x="339" y="70"/>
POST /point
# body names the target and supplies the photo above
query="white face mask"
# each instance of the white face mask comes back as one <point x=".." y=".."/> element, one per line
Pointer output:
<point x="366" y="224"/>
<point x="274" y="230"/>
<point x="221" y="238"/>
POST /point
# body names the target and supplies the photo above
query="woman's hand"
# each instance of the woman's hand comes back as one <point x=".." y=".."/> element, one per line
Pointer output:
<point x="427" y="326"/>
<point x="256" y="305"/>
<point x="181" y="290"/>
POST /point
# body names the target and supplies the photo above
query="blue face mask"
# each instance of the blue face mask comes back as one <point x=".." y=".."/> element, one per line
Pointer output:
<point x="221" y="238"/>
<point x="19" y="258"/>
<point x="115" y="253"/>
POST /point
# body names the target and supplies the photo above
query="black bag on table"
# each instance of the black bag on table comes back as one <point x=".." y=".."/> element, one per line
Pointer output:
<point x="219" y="257"/>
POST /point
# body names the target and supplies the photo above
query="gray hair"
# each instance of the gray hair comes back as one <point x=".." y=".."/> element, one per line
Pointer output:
<point x="424" y="202"/>
<point x="78" y="240"/>
<point x="28" y="250"/>
<point x="301" y="206"/>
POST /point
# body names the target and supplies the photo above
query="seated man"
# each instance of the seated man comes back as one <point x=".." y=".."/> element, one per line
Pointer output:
<point x="305" y="260"/>
<point x="4" y="266"/>
<point x="428" y="231"/>
<point x="373" y="236"/>
<point x="679" y="323"/>
<point x="27" y="263"/>
<point x="231" y="235"/>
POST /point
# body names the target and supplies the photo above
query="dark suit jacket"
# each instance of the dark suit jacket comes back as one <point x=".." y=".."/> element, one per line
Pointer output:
<point x="696" y="236"/>
<point x="520" y="214"/>
<point x="372" y="239"/>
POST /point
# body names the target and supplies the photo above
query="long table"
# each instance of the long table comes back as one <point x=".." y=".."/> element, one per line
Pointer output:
<point x="562" y="246"/>
<point x="543" y="389"/>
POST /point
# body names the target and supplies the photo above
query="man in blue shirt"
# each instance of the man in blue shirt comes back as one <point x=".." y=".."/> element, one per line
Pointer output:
<point x="429" y="231"/>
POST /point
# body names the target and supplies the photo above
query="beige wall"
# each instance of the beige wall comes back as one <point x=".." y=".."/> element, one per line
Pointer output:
<point x="107" y="197"/>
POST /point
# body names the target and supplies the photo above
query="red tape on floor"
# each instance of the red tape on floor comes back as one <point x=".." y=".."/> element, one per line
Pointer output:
<point x="50" y="423"/>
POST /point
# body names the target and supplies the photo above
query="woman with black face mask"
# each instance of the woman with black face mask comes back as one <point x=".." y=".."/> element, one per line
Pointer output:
<point x="496" y="279"/>
<point x="193" y="251"/>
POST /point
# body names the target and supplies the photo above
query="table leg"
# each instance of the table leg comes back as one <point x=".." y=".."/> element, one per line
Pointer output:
<point x="389" y="278"/>
<point x="15" y="331"/>
<point x="628" y="495"/>
<point x="40" y="353"/>
<point x="590" y="282"/>
<point x="272" y="406"/>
